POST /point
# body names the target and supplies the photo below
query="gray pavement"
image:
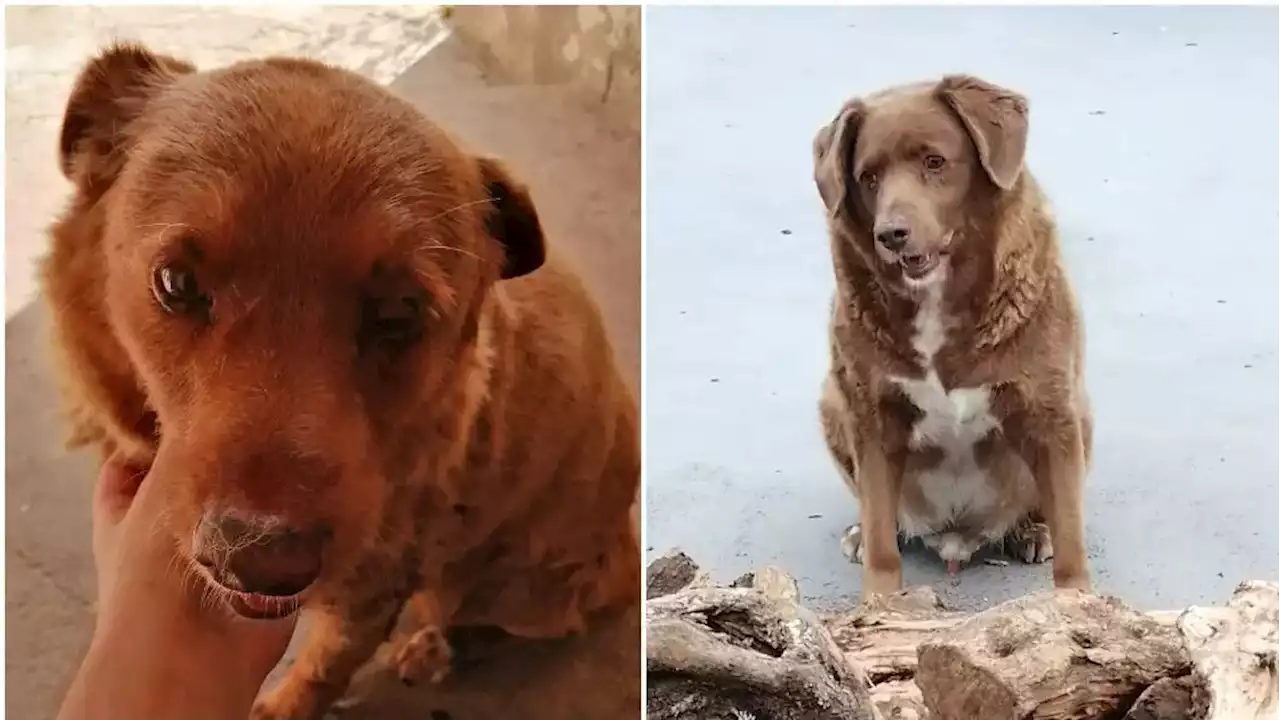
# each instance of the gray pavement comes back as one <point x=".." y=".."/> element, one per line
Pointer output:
<point x="1154" y="130"/>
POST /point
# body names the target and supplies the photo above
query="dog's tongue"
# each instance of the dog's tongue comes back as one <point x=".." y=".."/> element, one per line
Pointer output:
<point x="953" y="566"/>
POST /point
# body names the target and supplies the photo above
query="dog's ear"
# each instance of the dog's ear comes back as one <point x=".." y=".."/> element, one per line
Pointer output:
<point x="833" y="153"/>
<point x="109" y="94"/>
<point x="512" y="221"/>
<point x="996" y="119"/>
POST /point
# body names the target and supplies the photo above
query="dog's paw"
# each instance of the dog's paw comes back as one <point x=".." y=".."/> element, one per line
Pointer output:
<point x="851" y="543"/>
<point x="425" y="654"/>
<point x="1030" y="543"/>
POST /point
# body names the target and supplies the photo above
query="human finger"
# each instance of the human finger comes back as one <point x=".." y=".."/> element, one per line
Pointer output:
<point x="117" y="485"/>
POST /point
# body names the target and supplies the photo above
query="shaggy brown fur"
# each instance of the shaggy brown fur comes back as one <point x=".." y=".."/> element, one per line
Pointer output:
<point x="315" y="317"/>
<point x="955" y="406"/>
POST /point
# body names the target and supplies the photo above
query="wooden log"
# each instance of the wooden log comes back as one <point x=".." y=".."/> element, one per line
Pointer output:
<point x="1045" y="656"/>
<point x="1048" y="656"/>
<point x="746" y="652"/>
<point x="671" y="573"/>
<point x="1167" y="699"/>
<point x="882" y="637"/>
<point x="1233" y="652"/>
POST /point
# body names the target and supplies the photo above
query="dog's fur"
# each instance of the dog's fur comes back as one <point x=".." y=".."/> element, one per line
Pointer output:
<point x="955" y="407"/>
<point x="484" y="460"/>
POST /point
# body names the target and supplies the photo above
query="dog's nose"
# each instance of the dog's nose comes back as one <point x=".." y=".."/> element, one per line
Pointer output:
<point x="259" y="555"/>
<point x="893" y="235"/>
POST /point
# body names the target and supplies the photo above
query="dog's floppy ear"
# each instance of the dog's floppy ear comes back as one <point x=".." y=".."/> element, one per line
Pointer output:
<point x="832" y="153"/>
<point x="109" y="94"/>
<point x="996" y="119"/>
<point x="512" y="221"/>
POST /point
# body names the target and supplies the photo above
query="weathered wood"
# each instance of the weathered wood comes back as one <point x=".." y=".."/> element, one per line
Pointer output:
<point x="1167" y="699"/>
<point x="671" y="573"/>
<point x="746" y="652"/>
<point x="1047" y="656"/>
<point x="773" y="582"/>
<point x="1233" y="652"/>
<point x="883" y="637"/>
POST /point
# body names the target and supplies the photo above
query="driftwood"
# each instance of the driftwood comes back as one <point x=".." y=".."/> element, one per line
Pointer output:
<point x="1048" y="656"/>
<point x="1167" y="699"/>
<point x="1044" y="656"/>
<point x="745" y="652"/>
<point x="1233" y="649"/>
<point x="671" y="572"/>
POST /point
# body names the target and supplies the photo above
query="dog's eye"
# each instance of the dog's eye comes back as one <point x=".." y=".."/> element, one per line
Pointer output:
<point x="395" y="322"/>
<point x="935" y="162"/>
<point x="176" y="289"/>
<point x="868" y="180"/>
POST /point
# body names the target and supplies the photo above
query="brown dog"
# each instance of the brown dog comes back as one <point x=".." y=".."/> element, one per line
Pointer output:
<point x="955" y="407"/>
<point x="336" y="340"/>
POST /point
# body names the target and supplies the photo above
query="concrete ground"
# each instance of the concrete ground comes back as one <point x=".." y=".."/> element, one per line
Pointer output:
<point x="1154" y="132"/>
<point x="585" y="179"/>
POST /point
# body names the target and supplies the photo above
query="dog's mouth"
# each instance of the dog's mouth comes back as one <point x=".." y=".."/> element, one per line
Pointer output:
<point x="253" y="606"/>
<point x="917" y="266"/>
<point x="261" y="607"/>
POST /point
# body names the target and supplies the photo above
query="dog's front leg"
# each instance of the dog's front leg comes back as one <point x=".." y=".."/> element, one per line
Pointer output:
<point x="880" y="481"/>
<point x="340" y="639"/>
<point x="425" y="652"/>
<point x="1055" y="452"/>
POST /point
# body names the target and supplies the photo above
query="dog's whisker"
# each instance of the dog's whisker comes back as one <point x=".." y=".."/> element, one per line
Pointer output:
<point x="448" y="248"/>
<point x="460" y="206"/>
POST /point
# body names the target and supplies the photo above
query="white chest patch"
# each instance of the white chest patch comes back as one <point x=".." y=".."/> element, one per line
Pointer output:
<point x="952" y="421"/>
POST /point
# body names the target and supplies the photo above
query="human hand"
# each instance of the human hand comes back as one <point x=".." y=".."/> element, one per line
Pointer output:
<point x="159" y="649"/>
<point x="147" y="589"/>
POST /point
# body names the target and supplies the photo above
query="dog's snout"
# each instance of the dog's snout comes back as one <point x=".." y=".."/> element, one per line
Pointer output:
<point x="893" y="235"/>
<point x="260" y="555"/>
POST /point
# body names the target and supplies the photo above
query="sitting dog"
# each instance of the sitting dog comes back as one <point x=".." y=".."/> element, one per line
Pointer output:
<point x="955" y="407"/>
<point x="341" y="347"/>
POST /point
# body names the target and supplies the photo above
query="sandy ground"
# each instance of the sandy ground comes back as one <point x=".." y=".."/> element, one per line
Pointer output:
<point x="1154" y="132"/>
<point x="585" y="180"/>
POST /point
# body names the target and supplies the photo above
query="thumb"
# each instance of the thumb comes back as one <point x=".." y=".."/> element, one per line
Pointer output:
<point x="118" y="484"/>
